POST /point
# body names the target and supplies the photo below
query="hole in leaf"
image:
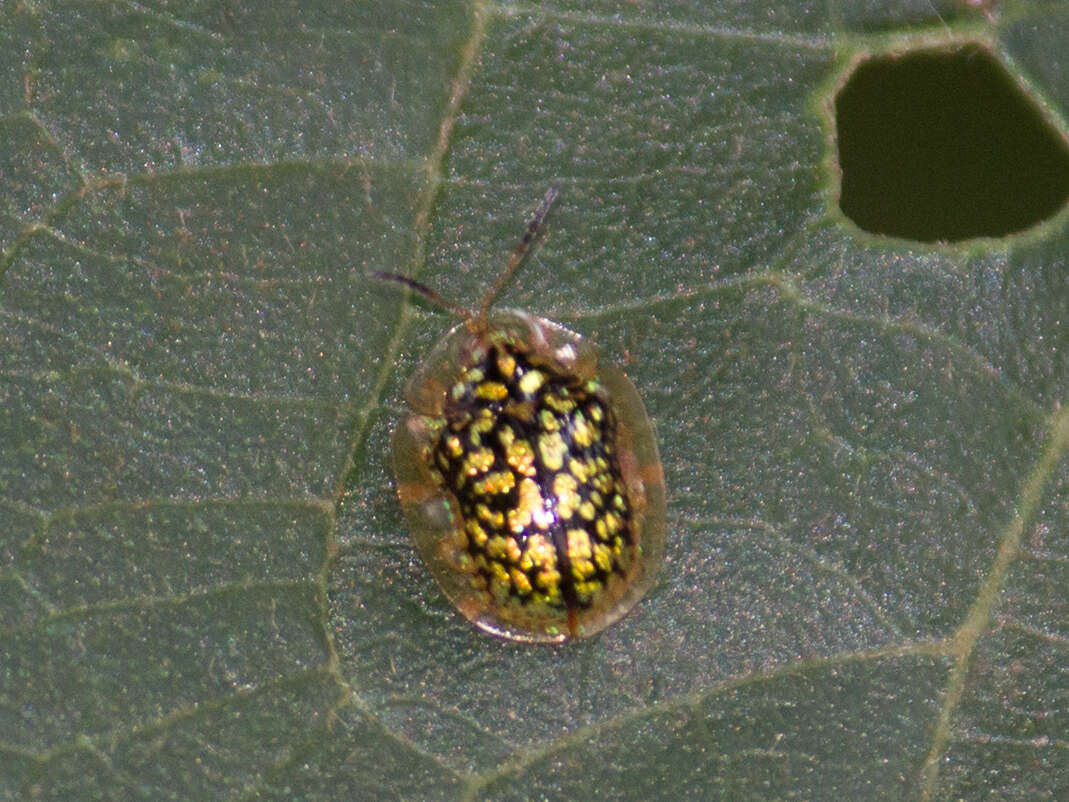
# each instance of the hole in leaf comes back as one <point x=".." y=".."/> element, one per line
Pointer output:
<point x="944" y="145"/>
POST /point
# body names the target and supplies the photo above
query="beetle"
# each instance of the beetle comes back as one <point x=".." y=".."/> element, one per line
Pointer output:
<point x="528" y="471"/>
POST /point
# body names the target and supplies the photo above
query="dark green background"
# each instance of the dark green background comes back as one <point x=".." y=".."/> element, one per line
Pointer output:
<point x="206" y="587"/>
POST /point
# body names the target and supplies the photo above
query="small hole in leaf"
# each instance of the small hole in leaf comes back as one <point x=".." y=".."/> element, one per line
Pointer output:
<point x="944" y="145"/>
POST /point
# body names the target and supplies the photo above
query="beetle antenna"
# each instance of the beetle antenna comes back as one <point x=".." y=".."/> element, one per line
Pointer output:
<point x="425" y="291"/>
<point x="518" y="253"/>
<point x="477" y="319"/>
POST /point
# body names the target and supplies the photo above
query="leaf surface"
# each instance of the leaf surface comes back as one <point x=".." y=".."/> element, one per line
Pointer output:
<point x="206" y="586"/>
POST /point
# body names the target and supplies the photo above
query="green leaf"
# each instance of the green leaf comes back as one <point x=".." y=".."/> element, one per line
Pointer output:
<point x="206" y="586"/>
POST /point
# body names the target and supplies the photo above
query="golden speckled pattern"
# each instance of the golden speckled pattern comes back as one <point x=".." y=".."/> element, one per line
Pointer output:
<point x="530" y="458"/>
